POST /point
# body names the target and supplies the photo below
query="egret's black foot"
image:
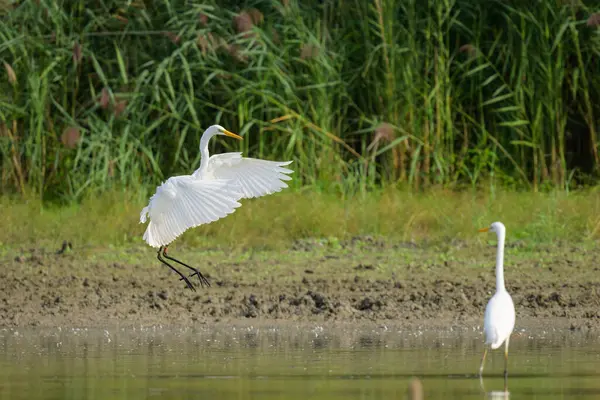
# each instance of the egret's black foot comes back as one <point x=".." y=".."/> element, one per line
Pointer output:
<point x="188" y="283"/>
<point x="182" y="277"/>
<point x="201" y="278"/>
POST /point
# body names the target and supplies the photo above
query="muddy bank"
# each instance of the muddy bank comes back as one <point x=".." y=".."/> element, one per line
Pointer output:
<point x="364" y="281"/>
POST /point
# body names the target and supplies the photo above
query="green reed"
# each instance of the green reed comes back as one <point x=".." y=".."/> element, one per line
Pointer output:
<point x="106" y="95"/>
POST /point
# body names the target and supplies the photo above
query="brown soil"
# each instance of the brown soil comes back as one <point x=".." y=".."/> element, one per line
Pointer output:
<point x="362" y="280"/>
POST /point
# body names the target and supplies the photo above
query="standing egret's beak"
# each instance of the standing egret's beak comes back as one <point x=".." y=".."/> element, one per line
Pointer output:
<point x="484" y="229"/>
<point x="231" y="134"/>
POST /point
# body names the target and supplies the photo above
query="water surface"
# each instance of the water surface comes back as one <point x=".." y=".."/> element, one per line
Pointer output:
<point x="290" y="362"/>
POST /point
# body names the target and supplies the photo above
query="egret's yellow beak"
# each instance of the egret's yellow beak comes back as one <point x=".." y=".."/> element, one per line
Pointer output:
<point x="484" y="229"/>
<point x="231" y="134"/>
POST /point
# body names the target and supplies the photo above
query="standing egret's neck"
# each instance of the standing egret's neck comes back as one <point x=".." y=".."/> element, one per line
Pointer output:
<point x="500" y="261"/>
<point x="204" y="152"/>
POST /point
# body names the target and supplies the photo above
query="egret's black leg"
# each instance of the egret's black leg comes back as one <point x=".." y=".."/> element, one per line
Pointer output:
<point x="187" y="281"/>
<point x="201" y="278"/>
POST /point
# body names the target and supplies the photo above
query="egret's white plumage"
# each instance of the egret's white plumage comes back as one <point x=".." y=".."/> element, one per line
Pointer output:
<point x="256" y="177"/>
<point x="183" y="202"/>
<point x="499" y="319"/>
<point x="212" y="192"/>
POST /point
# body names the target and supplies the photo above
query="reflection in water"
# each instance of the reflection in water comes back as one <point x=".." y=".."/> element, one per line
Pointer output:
<point x="291" y="362"/>
<point x="498" y="395"/>
<point x="415" y="389"/>
<point x="495" y="394"/>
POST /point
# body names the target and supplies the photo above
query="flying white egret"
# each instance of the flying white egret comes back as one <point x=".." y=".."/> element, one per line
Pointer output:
<point x="499" y="320"/>
<point x="212" y="192"/>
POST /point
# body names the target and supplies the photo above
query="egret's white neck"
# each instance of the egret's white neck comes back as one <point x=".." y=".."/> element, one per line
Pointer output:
<point x="204" y="152"/>
<point x="500" y="261"/>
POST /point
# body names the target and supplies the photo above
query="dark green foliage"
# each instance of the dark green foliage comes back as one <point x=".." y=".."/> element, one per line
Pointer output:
<point x="98" y="95"/>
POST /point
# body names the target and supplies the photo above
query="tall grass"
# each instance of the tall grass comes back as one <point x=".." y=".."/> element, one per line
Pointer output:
<point x="103" y="95"/>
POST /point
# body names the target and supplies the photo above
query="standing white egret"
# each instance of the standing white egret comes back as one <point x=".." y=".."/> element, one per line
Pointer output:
<point x="499" y="320"/>
<point x="212" y="192"/>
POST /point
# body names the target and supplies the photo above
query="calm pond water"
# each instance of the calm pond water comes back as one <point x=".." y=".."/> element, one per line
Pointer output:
<point x="290" y="362"/>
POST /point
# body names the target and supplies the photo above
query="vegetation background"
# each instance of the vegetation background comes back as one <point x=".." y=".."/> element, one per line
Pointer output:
<point x="404" y="118"/>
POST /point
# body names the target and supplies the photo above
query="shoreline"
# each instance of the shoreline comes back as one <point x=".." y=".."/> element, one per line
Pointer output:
<point x="412" y="288"/>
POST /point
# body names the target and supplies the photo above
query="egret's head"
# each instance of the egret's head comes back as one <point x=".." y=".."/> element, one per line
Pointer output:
<point x="219" y="130"/>
<point x="497" y="227"/>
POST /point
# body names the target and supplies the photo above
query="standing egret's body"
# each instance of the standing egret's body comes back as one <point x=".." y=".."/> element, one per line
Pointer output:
<point x="499" y="320"/>
<point x="212" y="192"/>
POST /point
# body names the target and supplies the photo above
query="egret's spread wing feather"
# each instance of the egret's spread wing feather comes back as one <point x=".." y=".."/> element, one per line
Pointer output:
<point x="183" y="202"/>
<point x="255" y="177"/>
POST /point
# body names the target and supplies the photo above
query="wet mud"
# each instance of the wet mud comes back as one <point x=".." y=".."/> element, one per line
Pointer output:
<point x="365" y="280"/>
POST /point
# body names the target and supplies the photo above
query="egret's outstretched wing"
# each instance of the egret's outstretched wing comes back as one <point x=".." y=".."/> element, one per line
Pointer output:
<point x="255" y="177"/>
<point x="183" y="202"/>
